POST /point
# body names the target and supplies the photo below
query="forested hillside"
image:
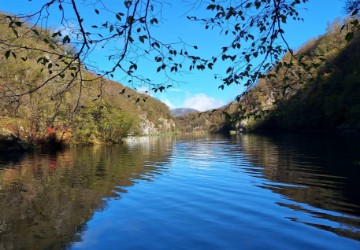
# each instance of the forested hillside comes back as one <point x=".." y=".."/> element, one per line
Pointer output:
<point x="318" y="89"/>
<point x="47" y="98"/>
<point x="323" y="93"/>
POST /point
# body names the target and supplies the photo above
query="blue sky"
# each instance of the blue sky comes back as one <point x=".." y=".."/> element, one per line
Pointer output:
<point x="199" y="89"/>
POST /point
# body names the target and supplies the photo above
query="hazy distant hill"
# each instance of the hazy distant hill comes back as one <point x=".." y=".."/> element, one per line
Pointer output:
<point x="183" y="111"/>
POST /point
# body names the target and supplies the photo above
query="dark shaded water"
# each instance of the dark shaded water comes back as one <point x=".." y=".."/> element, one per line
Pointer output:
<point x="246" y="192"/>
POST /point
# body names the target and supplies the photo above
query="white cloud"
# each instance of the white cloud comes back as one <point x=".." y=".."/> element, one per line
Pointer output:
<point x="144" y="90"/>
<point x="202" y="102"/>
<point x="168" y="103"/>
<point x="174" y="90"/>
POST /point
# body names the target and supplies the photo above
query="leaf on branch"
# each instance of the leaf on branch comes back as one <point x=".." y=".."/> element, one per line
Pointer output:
<point x="127" y="4"/>
<point x="142" y="38"/>
<point x="200" y="67"/>
<point x="349" y="36"/>
<point x="154" y="20"/>
<point x="133" y="66"/>
<point x="155" y="44"/>
<point x="56" y="34"/>
<point x="211" y="7"/>
<point x="7" y="54"/>
<point x="118" y="16"/>
<point x="66" y="39"/>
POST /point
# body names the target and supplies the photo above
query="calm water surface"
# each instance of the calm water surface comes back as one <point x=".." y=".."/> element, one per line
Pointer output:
<point x="245" y="192"/>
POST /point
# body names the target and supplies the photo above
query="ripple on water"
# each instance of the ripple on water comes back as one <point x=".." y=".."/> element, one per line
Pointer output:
<point x="250" y="192"/>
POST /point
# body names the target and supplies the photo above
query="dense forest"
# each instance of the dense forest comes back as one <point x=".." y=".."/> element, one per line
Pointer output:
<point x="76" y="106"/>
<point x="318" y="89"/>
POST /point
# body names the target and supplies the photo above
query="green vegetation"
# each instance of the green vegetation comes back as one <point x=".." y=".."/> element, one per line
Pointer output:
<point x="201" y="122"/>
<point x="75" y="106"/>
<point x="319" y="89"/>
<point x="324" y="95"/>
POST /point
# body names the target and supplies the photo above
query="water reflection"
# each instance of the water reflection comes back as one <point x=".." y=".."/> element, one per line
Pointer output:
<point x="319" y="175"/>
<point x="46" y="199"/>
<point x="207" y="193"/>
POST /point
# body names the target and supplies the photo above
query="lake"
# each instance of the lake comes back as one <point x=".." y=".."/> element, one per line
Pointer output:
<point x="279" y="191"/>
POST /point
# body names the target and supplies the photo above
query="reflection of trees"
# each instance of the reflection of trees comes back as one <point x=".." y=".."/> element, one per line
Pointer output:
<point x="46" y="199"/>
<point x="321" y="171"/>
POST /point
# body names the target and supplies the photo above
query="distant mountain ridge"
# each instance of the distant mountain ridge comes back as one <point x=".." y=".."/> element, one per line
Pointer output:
<point x="183" y="111"/>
